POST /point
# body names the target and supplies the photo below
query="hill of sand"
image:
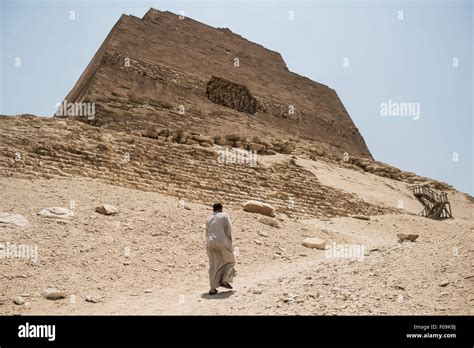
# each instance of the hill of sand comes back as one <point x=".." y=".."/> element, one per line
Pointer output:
<point x="150" y="258"/>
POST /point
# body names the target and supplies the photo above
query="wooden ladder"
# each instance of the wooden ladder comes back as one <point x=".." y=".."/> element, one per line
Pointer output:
<point x="436" y="205"/>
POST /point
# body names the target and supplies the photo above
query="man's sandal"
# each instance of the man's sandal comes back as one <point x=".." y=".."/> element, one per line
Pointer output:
<point x="212" y="291"/>
<point x="226" y="285"/>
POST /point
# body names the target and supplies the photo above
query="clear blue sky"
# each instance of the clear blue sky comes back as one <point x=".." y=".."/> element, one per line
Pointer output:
<point x="407" y="60"/>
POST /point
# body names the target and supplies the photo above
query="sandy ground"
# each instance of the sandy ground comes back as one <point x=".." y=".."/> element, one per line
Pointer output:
<point x="151" y="258"/>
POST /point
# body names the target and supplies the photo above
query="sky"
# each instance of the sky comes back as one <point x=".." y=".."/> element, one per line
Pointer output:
<point x="403" y="69"/>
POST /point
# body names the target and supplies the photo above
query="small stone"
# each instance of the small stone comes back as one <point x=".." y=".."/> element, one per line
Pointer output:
<point x="56" y="213"/>
<point x="93" y="298"/>
<point x="444" y="283"/>
<point x="106" y="209"/>
<point x="257" y="291"/>
<point x="410" y="237"/>
<point x="148" y="291"/>
<point x="361" y="217"/>
<point x="268" y="221"/>
<point x="19" y="300"/>
<point x="262" y="233"/>
<point x="258" y="242"/>
<point x="53" y="294"/>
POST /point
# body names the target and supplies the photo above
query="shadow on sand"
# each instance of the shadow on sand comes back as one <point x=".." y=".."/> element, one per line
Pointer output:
<point x="218" y="296"/>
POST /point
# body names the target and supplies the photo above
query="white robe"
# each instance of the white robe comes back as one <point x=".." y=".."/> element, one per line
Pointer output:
<point x="219" y="249"/>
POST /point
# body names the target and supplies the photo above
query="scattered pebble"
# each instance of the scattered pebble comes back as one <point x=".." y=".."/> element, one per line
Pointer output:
<point x="19" y="300"/>
<point x="93" y="298"/>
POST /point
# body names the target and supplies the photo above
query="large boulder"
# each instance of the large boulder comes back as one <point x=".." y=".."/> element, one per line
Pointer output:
<point x="259" y="208"/>
<point x="314" y="243"/>
<point x="57" y="213"/>
<point x="13" y="219"/>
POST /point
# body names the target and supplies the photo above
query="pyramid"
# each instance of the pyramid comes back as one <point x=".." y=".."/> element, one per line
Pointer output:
<point x="171" y="71"/>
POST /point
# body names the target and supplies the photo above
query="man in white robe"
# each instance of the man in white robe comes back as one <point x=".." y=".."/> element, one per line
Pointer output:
<point x="219" y="249"/>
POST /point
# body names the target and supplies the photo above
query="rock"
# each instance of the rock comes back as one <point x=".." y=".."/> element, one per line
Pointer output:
<point x="56" y="213"/>
<point x="202" y="139"/>
<point x="361" y="217"/>
<point x="270" y="152"/>
<point x="259" y="208"/>
<point x="232" y="137"/>
<point x="314" y="243"/>
<point x="19" y="300"/>
<point x="257" y="291"/>
<point x="190" y="141"/>
<point x="259" y="148"/>
<point x="286" y="148"/>
<point x="106" y="209"/>
<point x="268" y="221"/>
<point x="148" y="291"/>
<point x="93" y="298"/>
<point x="13" y="219"/>
<point x="53" y="294"/>
<point x="262" y="233"/>
<point x="258" y="242"/>
<point x="410" y="237"/>
<point x="152" y="132"/>
<point x="61" y="124"/>
<point x="444" y="283"/>
<point x="240" y="145"/>
<point x="220" y="141"/>
<point x="182" y="137"/>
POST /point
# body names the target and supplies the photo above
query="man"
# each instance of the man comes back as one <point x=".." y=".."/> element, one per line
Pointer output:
<point x="219" y="249"/>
